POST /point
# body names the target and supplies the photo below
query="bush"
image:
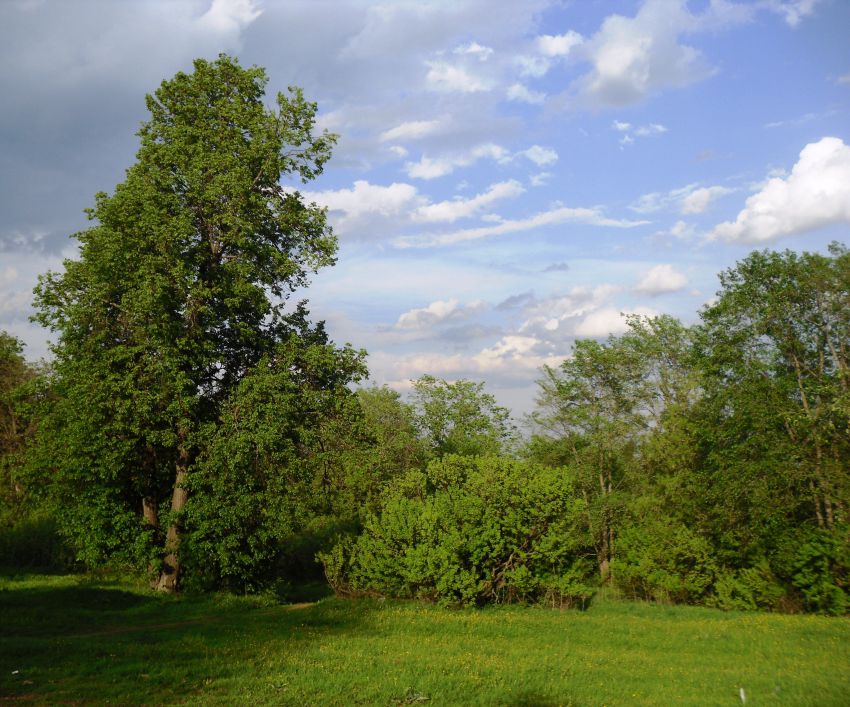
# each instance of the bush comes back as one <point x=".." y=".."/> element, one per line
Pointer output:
<point x="469" y="531"/>
<point x="34" y="542"/>
<point x="820" y="571"/>
<point x="748" y="589"/>
<point x="662" y="560"/>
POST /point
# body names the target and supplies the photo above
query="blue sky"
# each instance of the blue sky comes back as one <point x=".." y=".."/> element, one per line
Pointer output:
<point x="510" y="175"/>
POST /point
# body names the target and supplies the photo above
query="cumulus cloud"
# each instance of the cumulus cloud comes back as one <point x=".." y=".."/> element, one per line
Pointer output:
<point x="699" y="199"/>
<point x="436" y="313"/>
<point x="610" y="320"/>
<point x="433" y="167"/>
<point x="661" y="279"/>
<point x="541" y="156"/>
<point x="555" y="318"/>
<point x="449" y="78"/>
<point x="792" y="11"/>
<point x="518" y="92"/>
<point x="540" y="179"/>
<point x="559" y="45"/>
<point x="551" y="217"/>
<point x="634" y="57"/>
<point x="690" y="199"/>
<point x="511" y="359"/>
<point x="532" y="66"/>
<point x="356" y="208"/>
<point x="815" y="194"/>
<point x="230" y="16"/>
<point x="474" y="49"/>
<point x="454" y="209"/>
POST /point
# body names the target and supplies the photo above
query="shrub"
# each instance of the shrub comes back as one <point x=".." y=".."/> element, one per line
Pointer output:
<point x="663" y="560"/>
<point x="470" y="530"/>
<point x="750" y="588"/>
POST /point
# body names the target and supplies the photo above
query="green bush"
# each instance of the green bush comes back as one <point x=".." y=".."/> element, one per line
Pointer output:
<point x="468" y="531"/>
<point x="34" y="542"/>
<point x="820" y="570"/>
<point x="662" y="560"/>
<point x="748" y="589"/>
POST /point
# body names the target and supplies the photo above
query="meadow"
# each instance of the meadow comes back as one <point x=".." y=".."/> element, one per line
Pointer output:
<point x="82" y="639"/>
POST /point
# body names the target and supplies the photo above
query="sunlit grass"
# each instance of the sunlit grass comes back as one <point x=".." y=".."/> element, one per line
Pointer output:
<point x="68" y="639"/>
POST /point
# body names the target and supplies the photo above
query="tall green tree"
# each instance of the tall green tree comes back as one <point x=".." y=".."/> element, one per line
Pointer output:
<point x="777" y="350"/>
<point x="178" y="292"/>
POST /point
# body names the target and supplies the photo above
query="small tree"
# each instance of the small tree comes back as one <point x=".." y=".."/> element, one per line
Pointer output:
<point x="177" y="294"/>
<point x="460" y="418"/>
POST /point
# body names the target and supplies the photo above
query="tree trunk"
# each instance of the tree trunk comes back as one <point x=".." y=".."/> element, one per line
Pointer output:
<point x="150" y="511"/>
<point x="169" y="578"/>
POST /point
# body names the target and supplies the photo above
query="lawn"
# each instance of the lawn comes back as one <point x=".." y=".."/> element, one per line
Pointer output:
<point x="80" y="640"/>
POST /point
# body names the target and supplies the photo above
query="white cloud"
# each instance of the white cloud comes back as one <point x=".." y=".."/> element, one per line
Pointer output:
<point x="541" y="179"/>
<point x="682" y="230"/>
<point x="609" y="320"/>
<point x="230" y="16"/>
<point x="699" y="199"/>
<point x="651" y="129"/>
<point x="634" y="57"/>
<point x="661" y="279"/>
<point x="844" y="79"/>
<point x="511" y="359"/>
<point x="474" y="49"/>
<point x="690" y="199"/>
<point x="411" y="130"/>
<point x="792" y="11"/>
<point x="449" y="79"/>
<point x="8" y="275"/>
<point x="426" y="317"/>
<point x="555" y="318"/>
<point x="454" y="209"/>
<point x="545" y="218"/>
<point x="365" y="199"/>
<point x="518" y="92"/>
<point x="431" y="168"/>
<point x="629" y="131"/>
<point x="541" y="156"/>
<point x="534" y="66"/>
<point x="558" y="45"/>
<point x="806" y="118"/>
<point x="815" y="194"/>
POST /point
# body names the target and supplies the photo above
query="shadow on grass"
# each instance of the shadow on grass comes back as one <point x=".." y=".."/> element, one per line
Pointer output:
<point x="74" y="641"/>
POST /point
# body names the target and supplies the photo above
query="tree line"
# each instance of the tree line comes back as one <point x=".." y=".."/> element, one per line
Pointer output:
<point x="194" y="424"/>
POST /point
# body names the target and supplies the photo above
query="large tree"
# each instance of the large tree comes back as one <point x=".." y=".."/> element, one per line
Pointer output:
<point x="180" y="289"/>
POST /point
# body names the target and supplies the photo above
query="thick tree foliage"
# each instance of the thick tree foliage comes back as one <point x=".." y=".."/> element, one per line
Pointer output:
<point x="177" y="295"/>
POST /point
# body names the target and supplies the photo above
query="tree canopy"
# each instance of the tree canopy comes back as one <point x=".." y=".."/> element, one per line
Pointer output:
<point x="180" y="290"/>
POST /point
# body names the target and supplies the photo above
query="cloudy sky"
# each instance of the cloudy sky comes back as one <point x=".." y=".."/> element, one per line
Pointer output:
<point x="510" y="175"/>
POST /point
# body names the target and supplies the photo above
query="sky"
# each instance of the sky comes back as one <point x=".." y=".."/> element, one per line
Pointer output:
<point x="509" y="176"/>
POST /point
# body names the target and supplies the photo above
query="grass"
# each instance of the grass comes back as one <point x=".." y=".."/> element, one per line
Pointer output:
<point x="77" y="640"/>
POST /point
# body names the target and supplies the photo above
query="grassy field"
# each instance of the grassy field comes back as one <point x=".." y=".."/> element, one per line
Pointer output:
<point x="77" y="640"/>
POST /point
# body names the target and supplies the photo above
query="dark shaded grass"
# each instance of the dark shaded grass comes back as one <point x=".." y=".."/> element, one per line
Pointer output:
<point x="111" y="642"/>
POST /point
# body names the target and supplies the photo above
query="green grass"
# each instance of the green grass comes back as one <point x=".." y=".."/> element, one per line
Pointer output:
<point x="76" y="640"/>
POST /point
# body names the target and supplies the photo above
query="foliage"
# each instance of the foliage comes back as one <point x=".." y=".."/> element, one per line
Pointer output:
<point x="460" y="418"/>
<point x="664" y="561"/>
<point x="470" y="530"/>
<point x="178" y="293"/>
<point x="270" y="464"/>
